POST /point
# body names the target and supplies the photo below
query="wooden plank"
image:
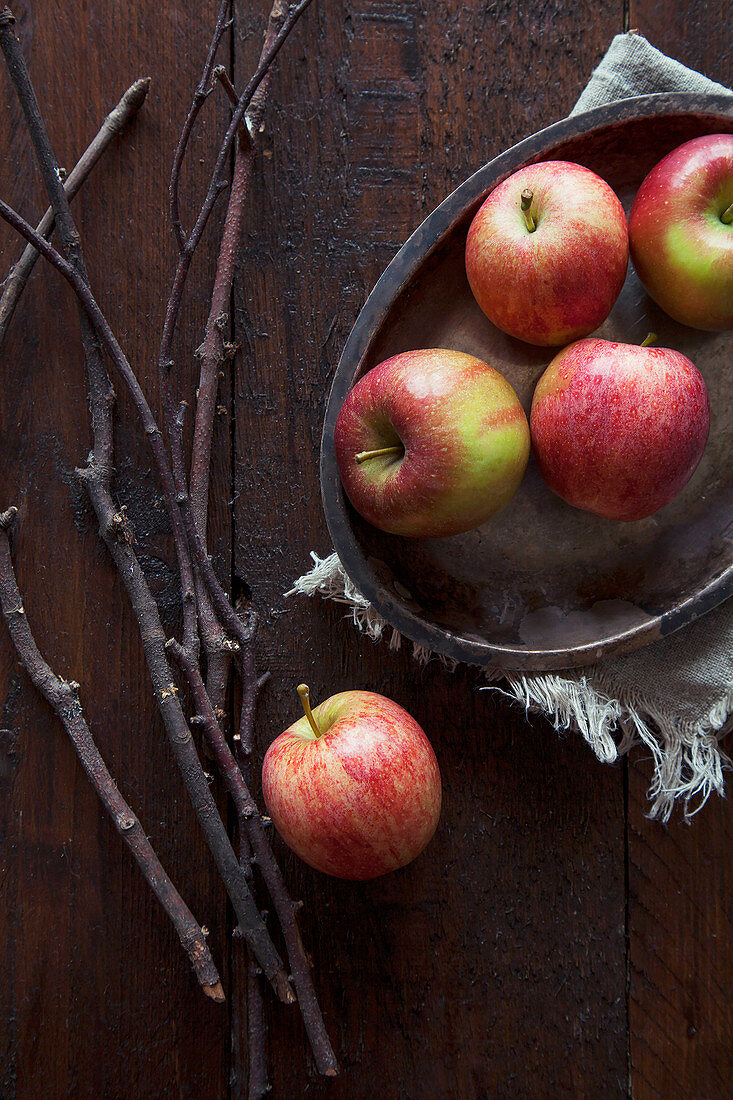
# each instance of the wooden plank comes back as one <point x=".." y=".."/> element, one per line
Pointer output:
<point x="695" y="33"/>
<point x="680" y="950"/>
<point x="680" y="884"/>
<point x="97" y="996"/>
<point x="494" y="965"/>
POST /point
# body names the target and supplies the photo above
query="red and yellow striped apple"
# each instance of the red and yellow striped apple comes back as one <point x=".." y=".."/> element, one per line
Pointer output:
<point x="618" y="429"/>
<point x="353" y="787"/>
<point x="431" y="443"/>
<point x="547" y="253"/>
<point x="681" y="230"/>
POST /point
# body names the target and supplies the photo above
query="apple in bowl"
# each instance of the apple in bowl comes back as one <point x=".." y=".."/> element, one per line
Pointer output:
<point x="431" y="443"/>
<point x="619" y="429"/>
<point x="547" y="253"/>
<point x="681" y="232"/>
<point x="353" y="786"/>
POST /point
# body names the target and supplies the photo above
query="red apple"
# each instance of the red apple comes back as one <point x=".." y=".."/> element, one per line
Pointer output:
<point x="431" y="443"/>
<point x="353" y="786"/>
<point x="547" y="253"/>
<point x="681" y="229"/>
<point x="618" y="429"/>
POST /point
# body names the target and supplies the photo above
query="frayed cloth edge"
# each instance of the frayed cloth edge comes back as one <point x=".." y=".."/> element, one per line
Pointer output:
<point x="687" y="758"/>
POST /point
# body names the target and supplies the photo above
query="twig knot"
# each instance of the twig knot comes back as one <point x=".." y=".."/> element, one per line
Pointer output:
<point x="7" y="517"/>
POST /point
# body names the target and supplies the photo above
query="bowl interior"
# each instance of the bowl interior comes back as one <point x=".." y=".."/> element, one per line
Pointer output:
<point x="542" y="584"/>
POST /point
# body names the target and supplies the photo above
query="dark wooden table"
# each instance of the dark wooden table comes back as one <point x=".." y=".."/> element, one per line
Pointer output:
<point x="552" y="941"/>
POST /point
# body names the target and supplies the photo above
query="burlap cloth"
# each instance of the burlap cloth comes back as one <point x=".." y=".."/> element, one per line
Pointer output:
<point x="674" y="696"/>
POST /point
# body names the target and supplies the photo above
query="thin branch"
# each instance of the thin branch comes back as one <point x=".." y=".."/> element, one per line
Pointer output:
<point x="226" y="82"/>
<point x="218" y="183"/>
<point x="250" y="825"/>
<point x="113" y="124"/>
<point x="285" y="907"/>
<point x="257" y="1083"/>
<point x="203" y="88"/>
<point x="63" y="696"/>
<point x="213" y="353"/>
<point x="282" y="21"/>
<point x="67" y="233"/>
<point x="250" y="691"/>
<point x="214" y="350"/>
<point x="112" y="525"/>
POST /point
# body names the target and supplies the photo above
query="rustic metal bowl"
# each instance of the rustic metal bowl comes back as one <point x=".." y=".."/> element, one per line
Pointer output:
<point x="543" y="585"/>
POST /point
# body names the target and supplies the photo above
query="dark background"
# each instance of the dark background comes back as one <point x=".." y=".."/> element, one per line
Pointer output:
<point x="552" y="941"/>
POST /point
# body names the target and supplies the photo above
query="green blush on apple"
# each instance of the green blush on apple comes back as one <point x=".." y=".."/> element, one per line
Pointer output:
<point x="431" y="443"/>
<point x="681" y="232"/>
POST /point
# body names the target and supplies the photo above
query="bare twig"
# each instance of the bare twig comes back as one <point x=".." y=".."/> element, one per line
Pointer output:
<point x="113" y="124"/>
<point x="202" y="564"/>
<point x="250" y="825"/>
<point x="257" y="1083"/>
<point x="214" y="351"/>
<point x="218" y="183"/>
<point x="113" y="528"/>
<point x="64" y="698"/>
<point x="226" y="82"/>
<point x="203" y="88"/>
<point x="285" y="907"/>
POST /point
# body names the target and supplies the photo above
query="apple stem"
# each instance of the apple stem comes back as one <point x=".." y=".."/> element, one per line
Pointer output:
<point x="362" y="456"/>
<point x="727" y="216"/>
<point x="649" y="340"/>
<point x="527" y="196"/>
<point x="304" y="693"/>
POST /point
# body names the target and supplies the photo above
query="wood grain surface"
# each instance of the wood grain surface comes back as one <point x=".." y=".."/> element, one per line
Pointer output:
<point x="551" y="941"/>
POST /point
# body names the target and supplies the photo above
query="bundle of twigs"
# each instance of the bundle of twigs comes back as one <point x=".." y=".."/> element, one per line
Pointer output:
<point x="216" y="637"/>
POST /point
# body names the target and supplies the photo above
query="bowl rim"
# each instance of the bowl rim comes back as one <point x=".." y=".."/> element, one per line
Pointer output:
<point x="424" y="240"/>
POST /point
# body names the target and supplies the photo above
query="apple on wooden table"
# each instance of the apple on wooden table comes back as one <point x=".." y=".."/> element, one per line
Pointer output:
<point x="547" y="253"/>
<point x="681" y="231"/>
<point x="353" y="786"/>
<point x="618" y="429"/>
<point x="430" y="443"/>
